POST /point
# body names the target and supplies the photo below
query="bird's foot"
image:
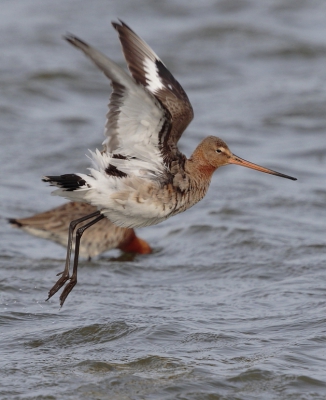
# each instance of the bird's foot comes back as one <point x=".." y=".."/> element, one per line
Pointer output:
<point x="68" y="288"/>
<point x="58" y="285"/>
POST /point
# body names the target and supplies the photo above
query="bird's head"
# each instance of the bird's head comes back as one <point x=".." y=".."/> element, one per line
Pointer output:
<point x="214" y="152"/>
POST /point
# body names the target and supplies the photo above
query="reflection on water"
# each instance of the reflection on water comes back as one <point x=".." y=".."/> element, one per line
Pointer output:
<point x="231" y="304"/>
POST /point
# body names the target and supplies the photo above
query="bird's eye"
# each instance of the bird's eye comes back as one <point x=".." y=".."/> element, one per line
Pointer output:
<point x="218" y="151"/>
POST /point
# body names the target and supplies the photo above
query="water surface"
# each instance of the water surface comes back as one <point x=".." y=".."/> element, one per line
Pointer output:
<point x="231" y="305"/>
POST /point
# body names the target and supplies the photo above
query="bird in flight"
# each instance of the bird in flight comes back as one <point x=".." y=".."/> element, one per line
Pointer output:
<point x="140" y="178"/>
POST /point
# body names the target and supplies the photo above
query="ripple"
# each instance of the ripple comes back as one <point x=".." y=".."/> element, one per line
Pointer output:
<point x="227" y="211"/>
<point x="291" y="51"/>
<point x="303" y="117"/>
<point x="96" y="334"/>
<point x="194" y="229"/>
<point x="201" y="337"/>
<point x="95" y="367"/>
<point x="52" y="75"/>
<point x="252" y="375"/>
<point x="74" y="121"/>
<point x="220" y="30"/>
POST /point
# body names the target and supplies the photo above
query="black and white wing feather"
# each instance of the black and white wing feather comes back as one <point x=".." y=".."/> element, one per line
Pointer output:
<point x="148" y="112"/>
<point x="148" y="70"/>
<point x="135" y="117"/>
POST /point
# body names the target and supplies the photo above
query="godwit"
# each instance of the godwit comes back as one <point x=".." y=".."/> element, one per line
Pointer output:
<point x="145" y="179"/>
<point x="54" y="225"/>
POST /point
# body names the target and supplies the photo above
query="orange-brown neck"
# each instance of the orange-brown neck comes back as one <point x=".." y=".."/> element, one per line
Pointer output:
<point x="135" y="245"/>
<point x="199" y="165"/>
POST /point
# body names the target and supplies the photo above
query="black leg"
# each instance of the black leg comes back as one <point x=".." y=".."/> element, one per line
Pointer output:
<point x="73" y="280"/>
<point x="65" y="274"/>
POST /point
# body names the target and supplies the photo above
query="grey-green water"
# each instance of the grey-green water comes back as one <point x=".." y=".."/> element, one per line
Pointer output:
<point x="232" y="304"/>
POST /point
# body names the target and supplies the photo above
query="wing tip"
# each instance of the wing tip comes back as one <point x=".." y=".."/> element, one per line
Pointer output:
<point x="120" y="26"/>
<point x="116" y="25"/>
<point x="74" y="40"/>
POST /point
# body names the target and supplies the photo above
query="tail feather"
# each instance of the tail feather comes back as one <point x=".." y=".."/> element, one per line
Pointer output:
<point x="14" y="221"/>
<point x="68" y="182"/>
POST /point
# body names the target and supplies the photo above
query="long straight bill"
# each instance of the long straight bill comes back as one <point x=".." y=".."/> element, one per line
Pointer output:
<point x="240" y="161"/>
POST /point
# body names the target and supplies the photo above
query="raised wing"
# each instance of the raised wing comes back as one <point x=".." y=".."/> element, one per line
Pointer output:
<point x="148" y="70"/>
<point x="135" y="118"/>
